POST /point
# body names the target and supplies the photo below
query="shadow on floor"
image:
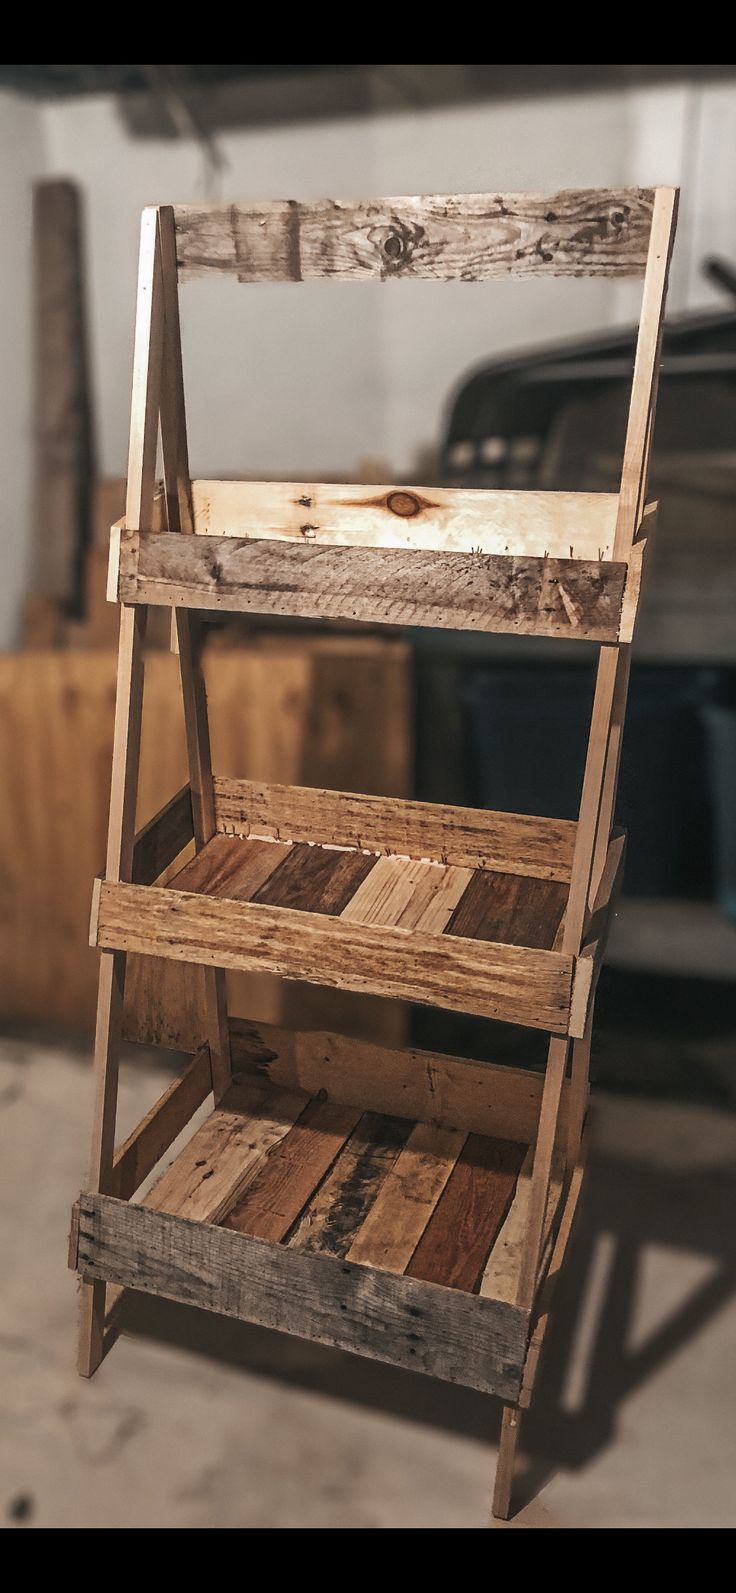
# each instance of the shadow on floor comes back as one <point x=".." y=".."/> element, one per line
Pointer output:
<point x="685" y="1212"/>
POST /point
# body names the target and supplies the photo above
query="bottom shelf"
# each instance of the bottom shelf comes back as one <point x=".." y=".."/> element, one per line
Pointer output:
<point x="370" y="1231"/>
<point x="333" y="1180"/>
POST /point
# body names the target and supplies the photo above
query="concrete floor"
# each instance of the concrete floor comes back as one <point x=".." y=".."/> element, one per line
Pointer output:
<point x="194" y="1421"/>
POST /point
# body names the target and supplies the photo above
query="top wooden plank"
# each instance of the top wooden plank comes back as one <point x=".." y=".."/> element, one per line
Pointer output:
<point x="443" y="237"/>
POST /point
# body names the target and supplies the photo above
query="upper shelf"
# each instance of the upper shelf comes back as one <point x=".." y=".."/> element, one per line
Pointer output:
<point x="525" y="563"/>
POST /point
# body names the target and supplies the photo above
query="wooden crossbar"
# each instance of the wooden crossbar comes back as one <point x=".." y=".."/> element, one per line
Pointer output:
<point x="443" y="237"/>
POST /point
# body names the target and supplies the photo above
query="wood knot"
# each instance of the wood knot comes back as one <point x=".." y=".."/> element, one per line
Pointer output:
<point x="396" y="240"/>
<point x="404" y="504"/>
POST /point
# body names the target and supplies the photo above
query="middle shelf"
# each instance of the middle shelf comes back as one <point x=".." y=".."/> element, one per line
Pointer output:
<point x="477" y="929"/>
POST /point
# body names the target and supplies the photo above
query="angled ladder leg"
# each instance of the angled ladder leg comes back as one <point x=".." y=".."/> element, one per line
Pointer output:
<point x="510" y="1425"/>
<point x="598" y="795"/>
<point x="126" y="755"/>
<point x="179" y="518"/>
<point x="112" y="963"/>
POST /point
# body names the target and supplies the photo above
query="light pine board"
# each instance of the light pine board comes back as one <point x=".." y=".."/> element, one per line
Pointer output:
<point x="559" y="525"/>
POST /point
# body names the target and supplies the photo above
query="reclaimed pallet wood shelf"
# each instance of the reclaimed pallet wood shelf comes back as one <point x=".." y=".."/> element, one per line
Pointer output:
<point x="409" y="1206"/>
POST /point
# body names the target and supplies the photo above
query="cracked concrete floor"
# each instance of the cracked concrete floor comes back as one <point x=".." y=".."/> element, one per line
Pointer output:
<point x="195" y="1421"/>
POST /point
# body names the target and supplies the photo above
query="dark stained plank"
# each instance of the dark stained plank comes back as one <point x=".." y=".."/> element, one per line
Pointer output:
<point x="510" y="909"/>
<point x="458" y="1238"/>
<point x="579" y="599"/>
<point x="463" y="1338"/>
<point x="334" y="1216"/>
<point x="315" y="879"/>
<point x="447" y="237"/>
<point x="292" y="1170"/>
<point x="230" y="867"/>
<point x="163" y="838"/>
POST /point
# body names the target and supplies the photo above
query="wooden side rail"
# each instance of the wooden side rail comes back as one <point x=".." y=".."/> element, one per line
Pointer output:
<point x="513" y="983"/>
<point x="425" y="1086"/>
<point x="419" y="1326"/>
<point x="157" y="1131"/>
<point x="468" y="837"/>
<point x="565" y="598"/>
<point x="163" y="838"/>
<point x="464" y="237"/>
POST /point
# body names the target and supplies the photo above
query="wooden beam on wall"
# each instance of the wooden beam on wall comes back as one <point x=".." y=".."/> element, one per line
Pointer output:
<point x="64" y="450"/>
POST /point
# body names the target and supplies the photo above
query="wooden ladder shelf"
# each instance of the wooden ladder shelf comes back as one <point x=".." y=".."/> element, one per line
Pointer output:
<point x="409" y="1206"/>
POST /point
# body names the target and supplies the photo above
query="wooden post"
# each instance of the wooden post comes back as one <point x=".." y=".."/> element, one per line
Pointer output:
<point x="602" y="763"/>
<point x="179" y="518"/>
<point x="126" y="755"/>
<point x="510" y="1424"/>
<point x="62" y="407"/>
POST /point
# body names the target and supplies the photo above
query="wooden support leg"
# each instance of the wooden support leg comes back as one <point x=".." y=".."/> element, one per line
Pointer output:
<point x="578" y="1094"/>
<point x="107" y="1058"/>
<point x="186" y="628"/>
<point x="510" y="1425"/>
<point x="542" y="1169"/>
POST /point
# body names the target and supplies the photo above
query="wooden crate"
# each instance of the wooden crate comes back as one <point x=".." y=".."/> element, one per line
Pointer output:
<point x="312" y="709"/>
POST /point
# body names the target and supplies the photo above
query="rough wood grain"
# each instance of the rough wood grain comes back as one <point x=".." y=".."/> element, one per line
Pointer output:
<point x="334" y="1214"/>
<point x="570" y="598"/>
<point x="408" y="895"/>
<point x="163" y="838"/>
<point x="468" y="837"/>
<point x="233" y="871"/>
<point x="460" y="1338"/>
<point x="291" y="1171"/>
<point x="399" y="891"/>
<point x="62" y="426"/>
<point x="156" y="1132"/>
<point x="404" y="1204"/>
<point x="450" y="1092"/>
<point x="510" y="909"/>
<point x="561" y="525"/>
<point x="444" y="237"/>
<point x="221" y="1158"/>
<point x="506" y="982"/>
<point x="461" y="1231"/>
<point x="315" y="879"/>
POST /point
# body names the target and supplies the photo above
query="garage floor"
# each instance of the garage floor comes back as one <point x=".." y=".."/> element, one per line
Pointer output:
<point x="195" y="1421"/>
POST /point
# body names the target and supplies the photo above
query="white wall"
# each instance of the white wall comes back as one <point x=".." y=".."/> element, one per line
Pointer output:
<point x="21" y="160"/>
<point x="296" y="384"/>
<point x="308" y="383"/>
